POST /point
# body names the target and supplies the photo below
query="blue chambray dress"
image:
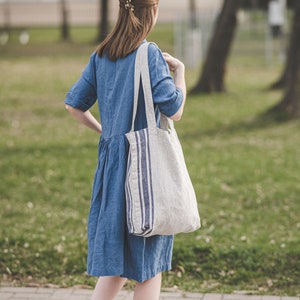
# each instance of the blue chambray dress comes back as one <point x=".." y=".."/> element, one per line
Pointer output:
<point x="112" y="251"/>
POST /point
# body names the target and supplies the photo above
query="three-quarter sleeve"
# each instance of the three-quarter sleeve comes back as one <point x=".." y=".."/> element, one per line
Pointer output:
<point x="83" y="94"/>
<point x="165" y="94"/>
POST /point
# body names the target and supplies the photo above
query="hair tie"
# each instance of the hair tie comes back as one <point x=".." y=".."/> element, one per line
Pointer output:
<point x="128" y="5"/>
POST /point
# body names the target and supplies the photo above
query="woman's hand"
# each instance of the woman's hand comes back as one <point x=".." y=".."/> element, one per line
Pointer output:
<point x="173" y="62"/>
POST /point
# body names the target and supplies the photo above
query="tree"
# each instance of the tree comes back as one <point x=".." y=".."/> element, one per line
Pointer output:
<point x="65" y="32"/>
<point x="6" y="15"/>
<point x="193" y="16"/>
<point x="212" y="77"/>
<point x="282" y="81"/>
<point x="103" y="24"/>
<point x="290" y="102"/>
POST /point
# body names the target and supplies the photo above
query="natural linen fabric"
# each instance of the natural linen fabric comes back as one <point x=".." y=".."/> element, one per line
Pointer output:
<point x="111" y="249"/>
<point x="159" y="193"/>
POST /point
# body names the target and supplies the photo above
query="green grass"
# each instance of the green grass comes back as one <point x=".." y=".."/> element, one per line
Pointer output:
<point x="244" y="165"/>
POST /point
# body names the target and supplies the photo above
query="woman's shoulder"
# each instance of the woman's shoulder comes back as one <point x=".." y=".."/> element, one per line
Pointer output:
<point x="96" y="60"/>
<point x="93" y="58"/>
<point x="155" y="54"/>
<point x="153" y="49"/>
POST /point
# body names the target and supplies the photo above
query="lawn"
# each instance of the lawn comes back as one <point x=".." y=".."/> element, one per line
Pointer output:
<point x="244" y="165"/>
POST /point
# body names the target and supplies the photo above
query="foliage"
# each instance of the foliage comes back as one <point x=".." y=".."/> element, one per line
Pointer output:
<point x="244" y="165"/>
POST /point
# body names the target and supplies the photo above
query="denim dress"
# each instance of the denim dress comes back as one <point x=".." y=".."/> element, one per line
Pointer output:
<point x="112" y="251"/>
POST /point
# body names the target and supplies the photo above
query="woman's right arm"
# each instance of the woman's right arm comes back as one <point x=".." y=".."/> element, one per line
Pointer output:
<point x="85" y="117"/>
<point x="178" y="68"/>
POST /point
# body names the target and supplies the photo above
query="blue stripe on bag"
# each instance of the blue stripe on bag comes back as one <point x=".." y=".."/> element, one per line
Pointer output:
<point x="150" y="183"/>
<point x="144" y="175"/>
<point x="140" y="182"/>
<point x="145" y="187"/>
<point x="129" y="197"/>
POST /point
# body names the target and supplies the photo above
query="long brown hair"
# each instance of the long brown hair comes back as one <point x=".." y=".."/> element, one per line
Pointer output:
<point x="134" y="23"/>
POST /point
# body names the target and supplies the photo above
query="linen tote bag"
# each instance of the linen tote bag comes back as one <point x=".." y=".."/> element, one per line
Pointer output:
<point x="160" y="198"/>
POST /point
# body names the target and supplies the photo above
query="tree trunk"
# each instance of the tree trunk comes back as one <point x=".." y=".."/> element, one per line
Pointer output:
<point x="6" y="15"/>
<point x="193" y="14"/>
<point x="103" y="24"/>
<point x="212" y="77"/>
<point x="291" y="99"/>
<point x="65" y="32"/>
<point x="281" y="82"/>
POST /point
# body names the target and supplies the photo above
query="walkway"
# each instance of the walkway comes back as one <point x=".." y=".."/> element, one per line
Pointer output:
<point x="14" y="293"/>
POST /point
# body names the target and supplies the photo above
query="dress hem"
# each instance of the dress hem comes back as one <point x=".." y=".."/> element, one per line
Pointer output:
<point x="131" y="277"/>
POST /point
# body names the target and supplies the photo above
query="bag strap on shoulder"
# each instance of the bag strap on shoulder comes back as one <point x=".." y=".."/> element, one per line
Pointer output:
<point x="141" y="73"/>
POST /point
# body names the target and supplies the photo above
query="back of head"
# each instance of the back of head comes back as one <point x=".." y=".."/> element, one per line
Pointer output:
<point x="135" y="20"/>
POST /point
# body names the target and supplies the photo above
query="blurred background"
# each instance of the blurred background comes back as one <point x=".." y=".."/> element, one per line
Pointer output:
<point x="19" y="17"/>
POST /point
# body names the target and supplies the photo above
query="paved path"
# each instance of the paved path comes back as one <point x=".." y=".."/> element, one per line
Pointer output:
<point x="13" y="293"/>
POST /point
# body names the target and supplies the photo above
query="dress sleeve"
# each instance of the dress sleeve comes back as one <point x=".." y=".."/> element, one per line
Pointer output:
<point x="165" y="94"/>
<point x="82" y="94"/>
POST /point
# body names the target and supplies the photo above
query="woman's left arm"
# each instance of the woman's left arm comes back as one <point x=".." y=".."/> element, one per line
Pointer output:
<point x="85" y="117"/>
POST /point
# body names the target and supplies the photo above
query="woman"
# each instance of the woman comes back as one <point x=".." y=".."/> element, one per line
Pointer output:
<point x="113" y="254"/>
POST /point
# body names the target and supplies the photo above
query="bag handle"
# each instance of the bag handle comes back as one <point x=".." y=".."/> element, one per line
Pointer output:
<point x="141" y="72"/>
